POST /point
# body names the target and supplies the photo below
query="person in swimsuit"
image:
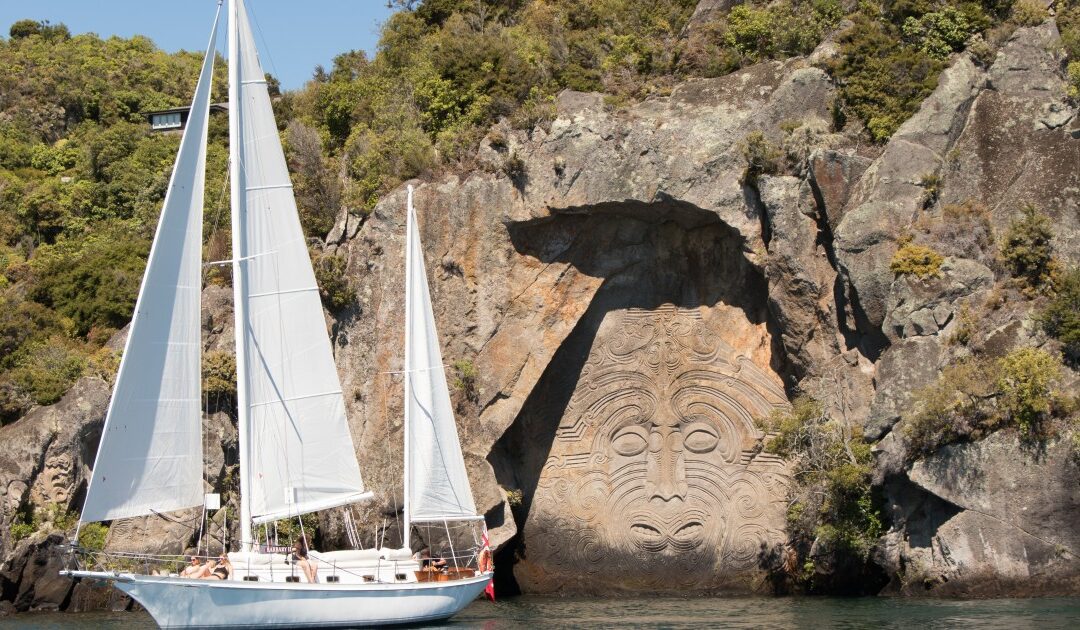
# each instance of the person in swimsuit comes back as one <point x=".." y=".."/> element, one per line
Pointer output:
<point x="196" y="569"/>
<point x="300" y="557"/>
<point x="220" y="570"/>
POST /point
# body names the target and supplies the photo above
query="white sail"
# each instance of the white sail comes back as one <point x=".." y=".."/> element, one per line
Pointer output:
<point x="297" y="454"/>
<point x="150" y="456"/>
<point x="436" y="485"/>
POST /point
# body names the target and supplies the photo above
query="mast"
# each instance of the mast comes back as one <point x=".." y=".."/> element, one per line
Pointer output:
<point x="406" y="534"/>
<point x="243" y="411"/>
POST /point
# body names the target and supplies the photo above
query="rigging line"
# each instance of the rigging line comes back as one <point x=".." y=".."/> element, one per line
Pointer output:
<point x="219" y="206"/>
<point x="423" y="369"/>
<point x="265" y="43"/>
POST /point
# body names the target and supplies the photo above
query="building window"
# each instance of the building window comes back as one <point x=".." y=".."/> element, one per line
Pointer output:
<point x="166" y="121"/>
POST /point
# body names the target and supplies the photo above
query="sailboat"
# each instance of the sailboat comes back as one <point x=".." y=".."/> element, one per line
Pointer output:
<point x="296" y="453"/>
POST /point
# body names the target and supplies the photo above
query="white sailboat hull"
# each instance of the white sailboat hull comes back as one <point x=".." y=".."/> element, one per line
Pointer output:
<point x="185" y="603"/>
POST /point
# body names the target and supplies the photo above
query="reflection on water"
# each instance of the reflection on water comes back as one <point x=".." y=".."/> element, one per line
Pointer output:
<point x="807" y="612"/>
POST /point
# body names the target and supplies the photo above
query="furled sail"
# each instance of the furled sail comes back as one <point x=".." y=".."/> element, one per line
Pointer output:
<point x="150" y="457"/>
<point x="437" y="487"/>
<point x="298" y="456"/>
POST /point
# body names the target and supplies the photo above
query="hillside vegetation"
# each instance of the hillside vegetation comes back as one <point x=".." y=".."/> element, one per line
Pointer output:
<point x="82" y="178"/>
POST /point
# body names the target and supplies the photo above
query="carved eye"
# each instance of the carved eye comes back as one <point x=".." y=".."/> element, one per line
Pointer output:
<point x="629" y="441"/>
<point x="701" y="438"/>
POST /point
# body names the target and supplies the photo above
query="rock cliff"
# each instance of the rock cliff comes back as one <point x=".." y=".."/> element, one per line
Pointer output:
<point x="631" y="301"/>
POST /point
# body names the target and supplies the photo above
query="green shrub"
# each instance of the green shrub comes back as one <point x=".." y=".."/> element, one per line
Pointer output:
<point x="882" y="79"/>
<point x="959" y="405"/>
<point x="831" y="503"/>
<point x="1027" y="249"/>
<point x="1073" y="73"/>
<point x="48" y="369"/>
<point x="939" y="33"/>
<point x="219" y="374"/>
<point x="916" y="260"/>
<point x="1061" y="317"/>
<point x="978" y="396"/>
<point x="93" y="280"/>
<point x="761" y="156"/>
<point x="333" y="280"/>
<point x="21" y="530"/>
<point x="1029" y="12"/>
<point x="465" y="379"/>
<point x="92" y="536"/>
<point x="1025" y="380"/>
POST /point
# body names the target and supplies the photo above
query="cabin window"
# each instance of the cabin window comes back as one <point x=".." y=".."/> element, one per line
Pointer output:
<point x="166" y="121"/>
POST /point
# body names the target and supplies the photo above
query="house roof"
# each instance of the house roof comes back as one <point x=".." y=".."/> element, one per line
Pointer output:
<point x="214" y="107"/>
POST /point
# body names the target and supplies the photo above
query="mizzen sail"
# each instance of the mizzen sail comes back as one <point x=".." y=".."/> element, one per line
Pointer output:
<point x="297" y="453"/>
<point x="436" y="486"/>
<point x="150" y="457"/>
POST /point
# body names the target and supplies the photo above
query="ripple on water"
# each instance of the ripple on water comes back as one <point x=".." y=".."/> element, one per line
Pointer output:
<point x="817" y="613"/>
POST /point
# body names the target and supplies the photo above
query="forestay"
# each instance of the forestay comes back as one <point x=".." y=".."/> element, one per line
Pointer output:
<point x="299" y="451"/>
<point x="437" y="486"/>
<point x="150" y="456"/>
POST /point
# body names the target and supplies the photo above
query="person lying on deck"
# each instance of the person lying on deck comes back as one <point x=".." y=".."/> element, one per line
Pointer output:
<point x="197" y="569"/>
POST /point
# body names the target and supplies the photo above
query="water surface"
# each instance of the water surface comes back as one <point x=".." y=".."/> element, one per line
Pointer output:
<point x="665" y="612"/>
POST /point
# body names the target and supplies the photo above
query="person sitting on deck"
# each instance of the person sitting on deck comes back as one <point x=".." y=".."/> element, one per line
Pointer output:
<point x="220" y="570"/>
<point x="427" y="562"/>
<point x="300" y="557"/>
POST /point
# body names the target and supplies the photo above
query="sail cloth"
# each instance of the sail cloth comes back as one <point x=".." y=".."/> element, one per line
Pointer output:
<point x="150" y="456"/>
<point x="300" y="452"/>
<point x="437" y="485"/>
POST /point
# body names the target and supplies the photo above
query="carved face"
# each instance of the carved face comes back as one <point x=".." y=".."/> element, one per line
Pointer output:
<point x="654" y="464"/>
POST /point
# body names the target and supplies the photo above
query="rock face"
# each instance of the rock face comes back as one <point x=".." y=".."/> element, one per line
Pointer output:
<point x="989" y="523"/>
<point x="46" y="461"/>
<point x="631" y="302"/>
<point x="45" y="467"/>
<point x="654" y="479"/>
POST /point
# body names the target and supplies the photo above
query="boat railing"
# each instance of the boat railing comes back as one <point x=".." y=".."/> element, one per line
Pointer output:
<point x="457" y="566"/>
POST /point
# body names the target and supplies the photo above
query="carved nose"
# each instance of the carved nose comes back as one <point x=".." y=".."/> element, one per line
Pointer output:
<point x="665" y="470"/>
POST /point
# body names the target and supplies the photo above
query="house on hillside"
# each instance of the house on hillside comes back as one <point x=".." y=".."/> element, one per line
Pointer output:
<point x="175" y="119"/>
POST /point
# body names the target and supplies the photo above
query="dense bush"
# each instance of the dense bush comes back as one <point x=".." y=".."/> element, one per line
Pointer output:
<point x="1061" y="317"/>
<point x="334" y="286"/>
<point x="1026" y="248"/>
<point x="219" y="375"/>
<point x="831" y="507"/>
<point x="882" y="78"/>
<point x="975" y="397"/>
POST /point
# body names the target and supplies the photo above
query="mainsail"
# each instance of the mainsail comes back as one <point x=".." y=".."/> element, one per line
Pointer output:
<point x="150" y="456"/>
<point x="296" y="451"/>
<point x="436" y="485"/>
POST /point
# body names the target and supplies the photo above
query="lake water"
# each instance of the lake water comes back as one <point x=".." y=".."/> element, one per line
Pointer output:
<point x="766" y="613"/>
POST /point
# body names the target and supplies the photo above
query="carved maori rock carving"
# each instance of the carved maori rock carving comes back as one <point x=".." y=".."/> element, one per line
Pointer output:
<point x="655" y="479"/>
